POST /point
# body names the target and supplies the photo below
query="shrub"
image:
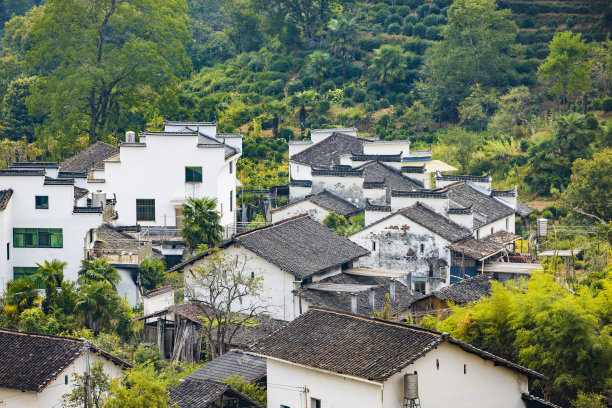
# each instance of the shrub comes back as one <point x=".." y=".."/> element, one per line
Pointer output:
<point x="433" y="9"/>
<point x="423" y="10"/>
<point x="380" y="16"/>
<point x="591" y="122"/>
<point x="606" y="104"/>
<point x="403" y="11"/>
<point x="273" y="88"/>
<point x="420" y="30"/>
<point x="407" y="29"/>
<point x="286" y="134"/>
<point x="527" y="22"/>
<point x="326" y="86"/>
<point x="432" y="33"/>
<point x="412" y="19"/>
<point x="595" y="104"/>
<point x="547" y="214"/>
<point x="294" y="87"/>
<point x="394" y="18"/>
<point x="323" y="107"/>
<point x="369" y="44"/>
<point x="359" y="95"/>
<point x="384" y="103"/>
<point x="394" y="28"/>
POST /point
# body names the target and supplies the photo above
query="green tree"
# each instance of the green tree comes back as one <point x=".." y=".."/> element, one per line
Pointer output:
<point x="35" y="321"/>
<point x="99" y="383"/>
<point x="302" y="101"/>
<point x="459" y="146"/>
<point x="566" y="70"/>
<point x="254" y="391"/>
<point x="50" y="275"/>
<point x="17" y="120"/>
<point x="388" y="64"/>
<point x="342" y="34"/>
<point x="418" y="117"/>
<point x="335" y="222"/>
<point x="98" y="57"/>
<point x="21" y="294"/>
<point x="278" y="109"/>
<point x="590" y="189"/>
<point x="245" y="30"/>
<point x="98" y="270"/>
<point x="514" y="107"/>
<point x="152" y="273"/>
<point x="140" y="387"/>
<point x="96" y="303"/>
<point x="201" y="223"/>
<point x="317" y="66"/>
<point x="477" y="107"/>
<point x="475" y="49"/>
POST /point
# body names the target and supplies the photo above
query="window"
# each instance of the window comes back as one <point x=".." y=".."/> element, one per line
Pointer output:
<point x="42" y="202"/>
<point x="231" y="208"/>
<point x="231" y="167"/>
<point x="477" y="234"/>
<point x="315" y="403"/>
<point x="373" y="245"/>
<point x="419" y="287"/>
<point x="284" y="406"/>
<point x="145" y="209"/>
<point x="66" y="379"/>
<point x="193" y="174"/>
<point x="8" y="251"/>
<point x="422" y="248"/>
<point x="491" y="230"/>
<point x="507" y="224"/>
<point x="21" y="272"/>
<point x="38" y="238"/>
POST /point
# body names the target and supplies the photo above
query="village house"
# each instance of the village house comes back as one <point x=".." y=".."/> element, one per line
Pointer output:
<point x="287" y="255"/>
<point x="331" y="359"/>
<point x="44" y="217"/>
<point x="208" y="393"/>
<point x="317" y="206"/>
<point x="37" y="369"/>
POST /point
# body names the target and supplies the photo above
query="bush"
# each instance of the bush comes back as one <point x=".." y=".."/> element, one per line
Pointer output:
<point x="595" y="104"/>
<point x="273" y="88"/>
<point x="606" y="104"/>
<point x="412" y="19"/>
<point x="394" y="18"/>
<point x="547" y="214"/>
<point x="323" y="107"/>
<point x="527" y="22"/>
<point x="420" y="30"/>
<point x="403" y="11"/>
<point x="394" y="28"/>
<point x="591" y="122"/>
<point x="370" y="44"/>
<point x="294" y="87"/>
<point x="407" y="29"/>
<point x="381" y="16"/>
<point x="286" y="134"/>
<point x="423" y="10"/>
<point x="326" y="86"/>
<point x="432" y="33"/>
<point x="384" y="103"/>
<point x="359" y="96"/>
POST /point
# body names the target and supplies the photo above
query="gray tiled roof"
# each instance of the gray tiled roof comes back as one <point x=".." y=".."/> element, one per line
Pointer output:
<point x="503" y="237"/>
<point x="300" y="183"/>
<point x="89" y="158"/>
<point x="34" y="165"/>
<point x="478" y="249"/>
<point x="22" y="172"/>
<point x="30" y="361"/>
<point x="337" y="300"/>
<point x="301" y="246"/>
<point x="379" y="157"/>
<point x="523" y="210"/>
<point x="467" y="290"/>
<point x="485" y="206"/>
<point x="327" y="153"/>
<point x="204" y="393"/>
<point x="414" y="169"/>
<point x="5" y="197"/>
<point x="80" y="192"/>
<point x="58" y="181"/>
<point x="459" y="177"/>
<point x="234" y="363"/>
<point x="330" y="202"/>
<point x="116" y="240"/>
<point x="359" y="346"/>
<point x="376" y="172"/>
<point x="436" y="223"/>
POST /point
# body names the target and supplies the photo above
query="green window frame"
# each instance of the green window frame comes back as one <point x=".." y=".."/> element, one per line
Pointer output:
<point x="193" y="174"/>
<point x="41" y="202"/>
<point x="38" y="238"/>
<point x="145" y="209"/>
<point x="23" y="272"/>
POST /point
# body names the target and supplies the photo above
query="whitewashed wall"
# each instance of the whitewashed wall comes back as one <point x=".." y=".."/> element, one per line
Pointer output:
<point x="439" y="205"/>
<point x="158" y="302"/>
<point x="300" y="171"/>
<point x="299" y="145"/>
<point x="315" y="211"/>
<point x="506" y="223"/>
<point x="373" y="216"/>
<point x="297" y="193"/>
<point x="387" y="147"/>
<point x="484" y="385"/>
<point x="349" y="188"/>
<point x="467" y="220"/>
<point x="6" y="245"/>
<point x="485" y="185"/>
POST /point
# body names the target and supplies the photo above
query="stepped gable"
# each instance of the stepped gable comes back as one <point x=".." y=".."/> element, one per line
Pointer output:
<point x="90" y="158"/>
<point x="326" y="153"/>
<point x="50" y="355"/>
<point x="359" y="346"/>
<point x="377" y="173"/>
<point x="484" y="205"/>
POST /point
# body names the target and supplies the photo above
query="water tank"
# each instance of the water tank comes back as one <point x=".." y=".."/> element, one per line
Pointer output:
<point x="130" y="137"/>
<point x="542" y="227"/>
<point x="98" y="199"/>
<point x="411" y="386"/>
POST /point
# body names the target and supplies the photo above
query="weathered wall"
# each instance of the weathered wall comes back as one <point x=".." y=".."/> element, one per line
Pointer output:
<point x="348" y="188"/>
<point x="315" y="212"/>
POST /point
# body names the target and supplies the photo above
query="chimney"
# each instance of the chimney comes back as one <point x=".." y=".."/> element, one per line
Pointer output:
<point x="354" y="303"/>
<point x="372" y="294"/>
<point x="392" y="290"/>
<point x="409" y="283"/>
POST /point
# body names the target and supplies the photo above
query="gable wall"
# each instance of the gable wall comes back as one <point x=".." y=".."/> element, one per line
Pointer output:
<point x="315" y="212"/>
<point x="348" y="188"/>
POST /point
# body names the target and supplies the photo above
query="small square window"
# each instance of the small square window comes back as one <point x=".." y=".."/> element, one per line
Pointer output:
<point x="419" y="287"/>
<point x="145" y="210"/>
<point x="42" y="202"/>
<point x="193" y="174"/>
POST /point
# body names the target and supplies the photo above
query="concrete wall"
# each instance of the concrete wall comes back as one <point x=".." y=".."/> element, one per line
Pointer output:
<point x="51" y="395"/>
<point x="315" y="212"/>
<point x="398" y="247"/>
<point x="483" y="385"/>
<point x="348" y="188"/>
<point x="286" y="383"/>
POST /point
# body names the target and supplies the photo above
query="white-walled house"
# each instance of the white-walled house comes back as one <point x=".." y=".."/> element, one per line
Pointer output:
<point x="330" y="359"/>
<point x="37" y="369"/>
<point x="317" y="206"/>
<point x="44" y="218"/>
<point x="288" y="254"/>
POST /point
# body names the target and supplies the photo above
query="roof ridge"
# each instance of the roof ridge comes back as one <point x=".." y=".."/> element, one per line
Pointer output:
<point x="269" y="226"/>
<point x="426" y="207"/>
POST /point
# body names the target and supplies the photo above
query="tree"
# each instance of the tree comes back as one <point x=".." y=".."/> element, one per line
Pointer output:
<point x="98" y="270"/>
<point x="317" y="66"/>
<point x="99" y="386"/>
<point x="51" y="275"/>
<point x="245" y="31"/>
<point x="477" y="107"/>
<point x="97" y="302"/>
<point x="417" y="117"/>
<point x="140" y="387"/>
<point x="590" y="189"/>
<point x="201" y="223"/>
<point x="98" y="57"/>
<point x="342" y="34"/>
<point x="254" y="391"/>
<point x="21" y="294"/>
<point x="335" y="222"/>
<point x="388" y="64"/>
<point x="475" y="49"/>
<point x="303" y="100"/>
<point x="17" y="120"/>
<point x="151" y="273"/>
<point x="514" y="107"/>
<point x="459" y="146"/>
<point x="566" y="69"/>
<point x="277" y="109"/>
<point x="231" y="294"/>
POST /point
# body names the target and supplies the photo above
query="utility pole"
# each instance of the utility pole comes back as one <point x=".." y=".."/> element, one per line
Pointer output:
<point x="87" y="377"/>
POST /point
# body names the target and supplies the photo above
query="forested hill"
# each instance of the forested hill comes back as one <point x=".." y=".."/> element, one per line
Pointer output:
<point x="470" y="77"/>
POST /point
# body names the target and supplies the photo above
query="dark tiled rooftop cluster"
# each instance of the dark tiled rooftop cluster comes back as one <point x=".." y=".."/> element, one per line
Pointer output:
<point x="22" y="172"/>
<point x="234" y="363"/>
<point x="204" y="393"/>
<point x="523" y="210"/>
<point x="467" y="290"/>
<point x="457" y="177"/>
<point x="80" y="192"/>
<point x="377" y="157"/>
<point x="376" y="172"/>
<point x="330" y="202"/>
<point x="487" y="207"/>
<point x="328" y="152"/>
<point x="478" y="248"/>
<point x="92" y="157"/>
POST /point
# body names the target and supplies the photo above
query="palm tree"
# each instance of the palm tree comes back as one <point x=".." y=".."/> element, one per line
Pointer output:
<point x="388" y="64"/>
<point x="21" y="294"/>
<point x="151" y="273"/>
<point x="201" y="223"/>
<point x="317" y="66"/>
<point x="51" y="275"/>
<point x="98" y="270"/>
<point x="342" y="36"/>
<point x="277" y="109"/>
<point x="96" y="303"/>
<point x="302" y="100"/>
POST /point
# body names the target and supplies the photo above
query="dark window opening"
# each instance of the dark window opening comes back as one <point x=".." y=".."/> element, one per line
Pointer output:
<point x="42" y="202"/>
<point x="37" y="238"/>
<point x="145" y="209"/>
<point x="173" y="260"/>
<point x="231" y="167"/>
<point x="422" y="248"/>
<point x="231" y="207"/>
<point x="193" y="174"/>
<point x="373" y="245"/>
<point x="419" y="287"/>
<point x="8" y="251"/>
<point x="465" y="369"/>
<point x="315" y="403"/>
<point x="437" y="364"/>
